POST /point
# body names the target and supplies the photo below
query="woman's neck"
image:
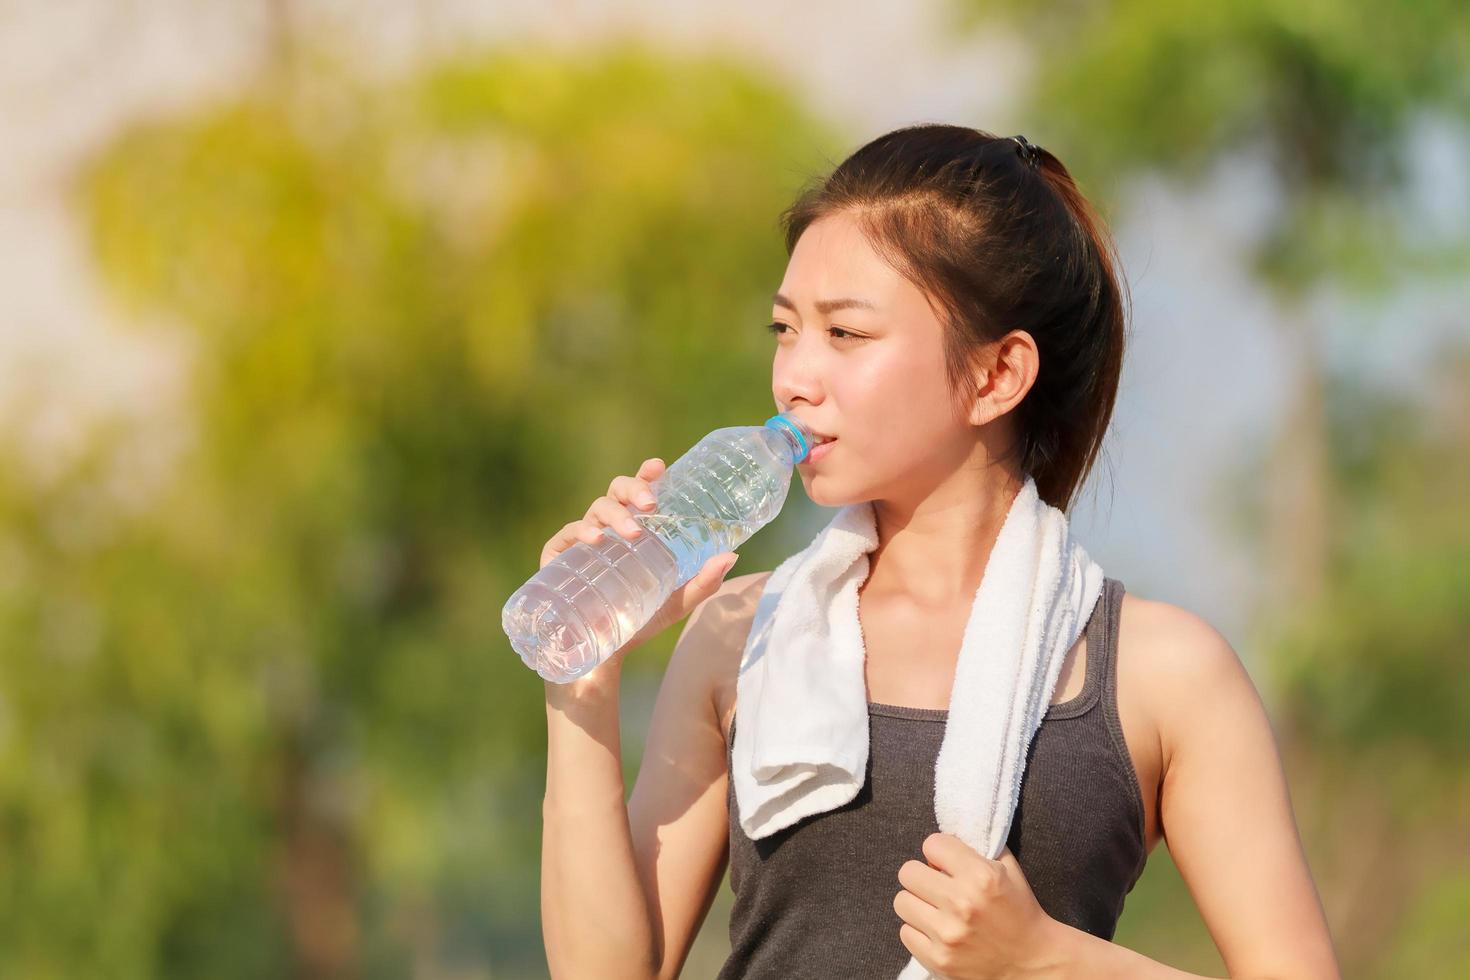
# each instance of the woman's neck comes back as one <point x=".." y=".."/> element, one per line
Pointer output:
<point x="934" y="551"/>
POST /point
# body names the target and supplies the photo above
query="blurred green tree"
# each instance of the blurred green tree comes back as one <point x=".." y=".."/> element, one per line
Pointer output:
<point x="1371" y="699"/>
<point x="267" y="724"/>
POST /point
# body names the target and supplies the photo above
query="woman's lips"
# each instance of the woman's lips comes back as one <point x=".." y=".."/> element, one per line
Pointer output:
<point x="820" y="450"/>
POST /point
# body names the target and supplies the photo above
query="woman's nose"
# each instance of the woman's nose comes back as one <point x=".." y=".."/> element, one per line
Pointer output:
<point x="797" y="377"/>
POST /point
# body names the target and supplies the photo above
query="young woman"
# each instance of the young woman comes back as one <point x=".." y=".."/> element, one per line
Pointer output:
<point x="952" y="315"/>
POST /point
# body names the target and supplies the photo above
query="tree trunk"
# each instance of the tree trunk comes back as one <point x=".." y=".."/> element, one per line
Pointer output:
<point x="315" y="876"/>
<point x="1299" y="494"/>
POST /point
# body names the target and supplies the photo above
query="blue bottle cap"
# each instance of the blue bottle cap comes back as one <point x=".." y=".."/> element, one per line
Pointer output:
<point x="787" y="423"/>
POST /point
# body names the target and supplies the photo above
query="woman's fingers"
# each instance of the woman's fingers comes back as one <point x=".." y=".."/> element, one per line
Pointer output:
<point x="638" y="490"/>
<point x="611" y="511"/>
<point x="705" y="583"/>
<point x="648" y="471"/>
<point x="588" y="531"/>
<point x="682" y="601"/>
<point x="726" y="563"/>
<point x="635" y="492"/>
<point x="559" y="542"/>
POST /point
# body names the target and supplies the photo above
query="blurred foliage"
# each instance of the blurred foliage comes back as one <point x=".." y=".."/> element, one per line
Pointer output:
<point x="1436" y="943"/>
<point x="1373" y="664"/>
<point x="1328" y="90"/>
<point x="1369" y="678"/>
<point x="268" y="724"/>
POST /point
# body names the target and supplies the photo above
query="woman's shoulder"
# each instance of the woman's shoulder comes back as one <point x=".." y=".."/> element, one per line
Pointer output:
<point x="1169" y="657"/>
<point x="717" y="629"/>
<point x="1168" y="642"/>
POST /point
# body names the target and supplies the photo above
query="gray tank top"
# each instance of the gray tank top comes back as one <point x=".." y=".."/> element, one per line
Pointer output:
<point x="815" y="900"/>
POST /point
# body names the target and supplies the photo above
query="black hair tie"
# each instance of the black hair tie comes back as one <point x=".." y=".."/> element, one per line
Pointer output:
<point x="1026" y="150"/>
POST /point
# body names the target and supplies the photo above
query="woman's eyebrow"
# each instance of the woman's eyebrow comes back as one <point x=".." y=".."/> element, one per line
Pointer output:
<point x="825" y="306"/>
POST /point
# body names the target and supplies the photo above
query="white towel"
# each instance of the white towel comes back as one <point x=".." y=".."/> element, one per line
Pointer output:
<point x="801" y="744"/>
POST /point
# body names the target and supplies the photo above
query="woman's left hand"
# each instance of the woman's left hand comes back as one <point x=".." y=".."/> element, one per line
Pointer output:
<point x="967" y="917"/>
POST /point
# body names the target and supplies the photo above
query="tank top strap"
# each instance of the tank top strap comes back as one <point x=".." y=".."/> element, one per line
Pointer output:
<point x="1092" y="686"/>
<point x="1111" y="602"/>
<point x="1105" y="636"/>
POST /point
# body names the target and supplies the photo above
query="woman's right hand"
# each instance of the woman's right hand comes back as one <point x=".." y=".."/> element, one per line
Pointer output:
<point x="611" y="510"/>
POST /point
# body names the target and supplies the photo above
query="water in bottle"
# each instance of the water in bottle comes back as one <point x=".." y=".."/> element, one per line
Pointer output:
<point x="592" y="598"/>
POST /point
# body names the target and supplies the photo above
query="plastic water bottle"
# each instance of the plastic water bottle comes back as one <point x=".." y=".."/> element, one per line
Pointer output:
<point x="592" y="598"/>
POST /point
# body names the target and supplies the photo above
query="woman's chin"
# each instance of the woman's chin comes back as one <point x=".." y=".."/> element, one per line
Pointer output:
<point x="824" y="494"/>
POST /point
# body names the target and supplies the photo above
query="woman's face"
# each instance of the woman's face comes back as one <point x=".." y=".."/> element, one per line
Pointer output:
<point x="872" y="377"/>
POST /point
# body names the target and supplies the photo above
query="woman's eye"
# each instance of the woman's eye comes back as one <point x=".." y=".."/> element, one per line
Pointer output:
<point x="780" y="328"/>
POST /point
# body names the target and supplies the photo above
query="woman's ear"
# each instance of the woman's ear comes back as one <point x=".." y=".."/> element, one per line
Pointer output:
<point x="1006" y="373"/>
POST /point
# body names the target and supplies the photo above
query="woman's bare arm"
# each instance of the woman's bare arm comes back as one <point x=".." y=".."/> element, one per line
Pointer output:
<point x="594" y="920"/>
<point x="626" y="885"/>
<point x="678" y="809"/>
<point x="1226" y="816"/>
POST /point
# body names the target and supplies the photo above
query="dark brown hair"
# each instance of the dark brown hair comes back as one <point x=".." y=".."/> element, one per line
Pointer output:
<point x="997" y="244"/>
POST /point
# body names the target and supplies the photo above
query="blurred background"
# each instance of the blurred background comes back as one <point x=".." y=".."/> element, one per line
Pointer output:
<point x="318" y="318"/>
